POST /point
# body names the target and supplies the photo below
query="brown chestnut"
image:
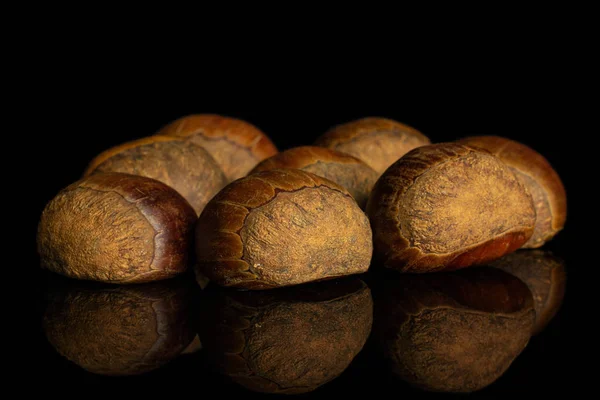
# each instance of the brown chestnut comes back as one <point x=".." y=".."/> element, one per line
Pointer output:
<point x="290" y="340"/>
<point x="236" y="145"/>
<point x="345" y="170"/>
<point x="538" y="176"/>
<point x="116" y="228"/>
<point x="119" y="330"/>
<point x="453" y="331"/>
<point x="280" y="228"/>
<point x="379" y="142"/>
<point x="448" y="206"/>
<point x="184" y="166"/>
<point x="544" y="274"/>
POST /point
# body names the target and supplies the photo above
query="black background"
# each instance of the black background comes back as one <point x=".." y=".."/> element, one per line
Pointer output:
<point x="85" y="111"/>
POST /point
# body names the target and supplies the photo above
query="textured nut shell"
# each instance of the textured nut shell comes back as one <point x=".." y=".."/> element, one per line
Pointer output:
<point x="280" y="228"/>
<point x="184" y="166"/>
<point x="236" y="145"/>
<point x="379" y="142"/>
<point x="116" y="228"/>
<point x="289" y="342"/>
<point x="545" y="275"/>
<point x="345" y="170"/>
<point x="119" y="330"/>
<point x="541" y="179"/>
<point x="448" y="206"/>
<point x="453" y="332"/>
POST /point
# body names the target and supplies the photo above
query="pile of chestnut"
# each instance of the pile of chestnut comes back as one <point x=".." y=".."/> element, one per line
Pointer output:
<point x="214" y="192"/>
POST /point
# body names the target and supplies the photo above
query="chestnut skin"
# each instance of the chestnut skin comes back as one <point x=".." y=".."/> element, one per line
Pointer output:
<point x="379" y="142"/>
<point x="185" y="166"/>
<point x="116" y="228"/>
<point x="282" y="227"/>
<point x="448" y="206"/>
<point x="542" y="181"/>
<point x="236" y="145"/>
<point x="345" y="170"/>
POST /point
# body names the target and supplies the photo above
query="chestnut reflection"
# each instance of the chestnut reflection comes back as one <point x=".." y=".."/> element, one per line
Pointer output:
<point x="453" y="332"/>
<point x="119" y="330"/>
<point x="194" y="346"/>
<point x="545" y="276"/>
<point x="289" y="340"/>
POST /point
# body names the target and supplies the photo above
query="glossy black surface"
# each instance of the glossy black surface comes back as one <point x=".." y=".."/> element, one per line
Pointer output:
<point x="301" y="339"/>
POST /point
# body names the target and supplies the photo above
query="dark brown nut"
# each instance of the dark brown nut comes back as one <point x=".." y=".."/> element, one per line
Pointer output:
<point x="453" y="332"/>
<point x="184" y="166"/>
<point x="281" y="228"/>
<point x="116" y="228"/>
<point x="379" y="142"/>
<point x="545" y="276"/>
<point x="345" y="170"/>
<point x="236" y="145"/>
<point x="287" y="341"/>
<point x="119" y="330"/>
<point x="538" y="176"/>
<point x="448" y="206"/>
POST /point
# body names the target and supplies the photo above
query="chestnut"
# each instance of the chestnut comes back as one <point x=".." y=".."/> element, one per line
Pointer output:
<point x="236" y="145"/>
<point x="345" y="170"/>
<point x="542" y="181"/>
<point x="280" y="228"/>
<point x="116" y="228"/>
<point x="448" y="206"/>
<point x="379" y="142"/>
<point x="185" y="166"/>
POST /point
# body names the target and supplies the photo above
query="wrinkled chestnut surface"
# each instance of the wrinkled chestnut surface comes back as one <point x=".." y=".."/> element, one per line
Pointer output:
<point x="538" y="176"/>
<point x="290" y="340"/>
<point x="280" y="228"/>
<point x="379" y="142"/>
<point x="544" y="274"/>
<point x="345" y="170"/>
<point x="184" y="166"/>
<point x="448" y="206"/>
<point x="237" y="146"/>
<point x="119" y="330"/>
<point x="453" y="332"/>
<point x="116" y="228"/>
